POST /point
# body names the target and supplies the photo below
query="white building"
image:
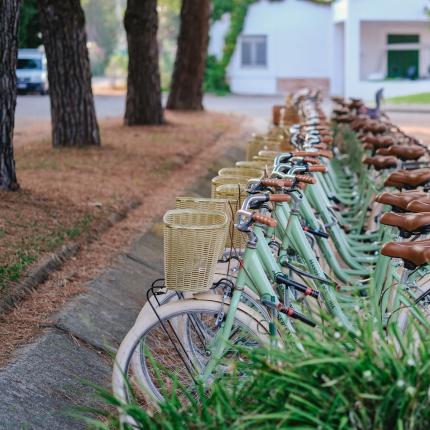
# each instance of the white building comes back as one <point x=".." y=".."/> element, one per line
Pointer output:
<point x="351" y="47"/>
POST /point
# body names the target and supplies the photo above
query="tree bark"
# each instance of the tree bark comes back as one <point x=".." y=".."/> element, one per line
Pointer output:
<point x="9" y="14"/>
<point x="73" y="115"/>
<point x="143" y="105"/>
<point x="186" y="92"/>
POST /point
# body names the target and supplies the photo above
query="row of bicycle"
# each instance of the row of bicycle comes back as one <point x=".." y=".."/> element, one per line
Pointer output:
<point x="288" y="236"/>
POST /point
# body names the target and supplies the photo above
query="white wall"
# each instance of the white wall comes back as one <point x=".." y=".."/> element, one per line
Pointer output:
<point x="298" y="40"/>
<point x="364" y="49"/>
<point x="388" y="10"/>
<point x="340" y="10"/>
<point x="338" y="59"/>
<point x="373" y="53"/>
<point x="217" y="35"/>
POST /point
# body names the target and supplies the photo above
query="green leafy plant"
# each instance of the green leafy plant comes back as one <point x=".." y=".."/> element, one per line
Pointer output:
<point x="215" y="79"/>
<point x="374" y="378"/>
<point x="29" y="32"/>
<point x="216" y="69"/>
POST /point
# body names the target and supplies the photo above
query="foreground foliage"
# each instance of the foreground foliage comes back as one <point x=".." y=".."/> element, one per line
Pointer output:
<point x="371" y="379"/>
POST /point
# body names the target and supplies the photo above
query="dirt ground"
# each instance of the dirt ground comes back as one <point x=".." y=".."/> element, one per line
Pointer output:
<point x="66" y="193"/>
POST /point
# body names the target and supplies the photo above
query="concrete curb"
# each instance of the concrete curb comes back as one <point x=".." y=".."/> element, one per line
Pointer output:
<point x="40" y="272"/>
<point x="407" y="109"/>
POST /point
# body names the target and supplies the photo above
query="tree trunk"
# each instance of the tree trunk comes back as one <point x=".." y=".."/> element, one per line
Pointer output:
<point x="186" y="92"/>
<point x="73" y="115"/>
<point x="9" y="13"/>
<point x="143" y="106"/>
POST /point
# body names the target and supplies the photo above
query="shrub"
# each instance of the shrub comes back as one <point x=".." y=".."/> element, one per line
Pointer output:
<point x="215" y="80"/>
<point x="371" y="379"/>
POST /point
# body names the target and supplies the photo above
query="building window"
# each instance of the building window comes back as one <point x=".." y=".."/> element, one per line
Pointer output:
<point x="395" y="39"/>
<point x="403" y="56"/>
<point x="254" y="51"/>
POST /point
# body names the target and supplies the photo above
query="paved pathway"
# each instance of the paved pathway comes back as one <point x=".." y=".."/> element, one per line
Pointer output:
<point x="32" y="109"/>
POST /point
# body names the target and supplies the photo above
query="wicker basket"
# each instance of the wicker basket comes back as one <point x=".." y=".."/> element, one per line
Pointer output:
<point x="267" y="160"/>
<point x="235" y="195"/>
<point x="201" y="203"/>
<point x="267" y="166"/>
<point x="249" y="172"/>
<point x="193" y="241"/>
<point x="252" y="164"/>
<point x="285" y="115"/>
<point x="271" y="155"/>
<point x="259" y="143"/>
<point x="222" y="180"/>
<point x="222" y="205"/>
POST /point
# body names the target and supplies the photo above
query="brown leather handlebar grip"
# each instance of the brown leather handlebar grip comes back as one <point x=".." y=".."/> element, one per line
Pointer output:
<point x="277" y="183"/>
<point x="326" y="154"/>
<point x="311" y="160"/>
<point x="261" y="219"/>
<point x="306" y="179"/>
<point x="320" y="169"/>
<point x="279" y="198"/>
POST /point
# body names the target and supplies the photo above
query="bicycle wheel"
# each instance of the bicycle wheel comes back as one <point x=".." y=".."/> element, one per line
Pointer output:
<point x="248" y="298"/>
<point x="174" y="345"/>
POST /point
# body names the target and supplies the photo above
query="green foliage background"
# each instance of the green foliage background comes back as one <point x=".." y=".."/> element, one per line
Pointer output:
<point x="29" y="34"/>
<point x="103" y="27"/>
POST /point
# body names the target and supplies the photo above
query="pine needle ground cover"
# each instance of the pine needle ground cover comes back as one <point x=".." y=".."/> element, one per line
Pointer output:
<point x="66" y="194"/>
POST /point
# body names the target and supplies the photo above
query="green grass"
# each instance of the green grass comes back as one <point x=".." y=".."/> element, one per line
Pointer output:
<point x="32" y="247"/>
<point x="422" y="98"/>
<point x="12" y="272"/>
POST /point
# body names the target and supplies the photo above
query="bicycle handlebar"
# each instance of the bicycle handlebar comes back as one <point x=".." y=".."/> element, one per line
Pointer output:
<point x="277" y="183"/>
<point x="311" y="160"/>
<point x="279" y="198"/>
<point x="320" y="169"/>
<point x="307" y="179"/>
<point x="262" y="219"/>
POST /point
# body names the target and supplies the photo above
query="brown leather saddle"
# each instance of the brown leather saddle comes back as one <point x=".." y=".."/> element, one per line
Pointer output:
<point x="378" y="141"/>
<point x="408" y="223"/>
<point x="403" y="152"/>
<point x="341" y="110"/>
<point x="375" y="127"/>
<point x="344" y="118"/>
<point x="408" y="179"/>
<point x="400" y="201"/>
<point x="413" y="254"/>
<point x="380" y="162"/>
<point x="420" y="205"/>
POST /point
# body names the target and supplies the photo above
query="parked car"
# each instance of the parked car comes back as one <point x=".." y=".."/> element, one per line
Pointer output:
<point x="31" y="71"/>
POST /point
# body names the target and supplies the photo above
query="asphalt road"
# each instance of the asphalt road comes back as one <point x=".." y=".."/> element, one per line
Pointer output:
<point x="33" y="110"/>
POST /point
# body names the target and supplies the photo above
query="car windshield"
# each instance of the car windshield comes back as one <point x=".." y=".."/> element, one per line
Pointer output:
<point x="29" y="64"/>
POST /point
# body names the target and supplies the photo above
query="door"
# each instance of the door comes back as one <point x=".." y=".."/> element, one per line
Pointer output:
<point x="403" y="64"/>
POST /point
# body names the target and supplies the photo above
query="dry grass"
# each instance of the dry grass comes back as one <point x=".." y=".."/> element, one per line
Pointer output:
<point x="66" y="193"/>
<point x="153" y="165"/>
